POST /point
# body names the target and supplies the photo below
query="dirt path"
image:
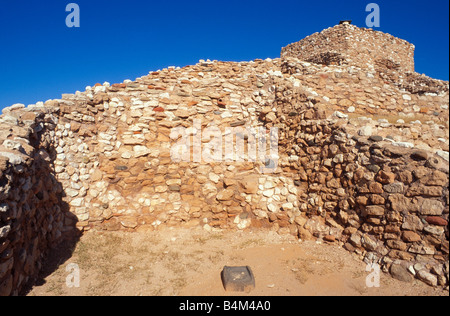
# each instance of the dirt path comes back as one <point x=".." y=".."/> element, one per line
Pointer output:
<point x="189" y="262"/>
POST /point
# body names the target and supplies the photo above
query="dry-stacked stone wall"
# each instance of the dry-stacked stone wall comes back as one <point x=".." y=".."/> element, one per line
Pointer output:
<point x="347" y="44"/>
<point x="362" y="160"/>
<point x="33" y="216"/>
<point x="385" y="202"/>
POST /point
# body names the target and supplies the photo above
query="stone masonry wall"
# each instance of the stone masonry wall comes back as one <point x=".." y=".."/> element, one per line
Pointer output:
<point x="351" y="45"/>
<point x="385" y="202"/>
<point x="102" y="159"/>
<point x="33" y="217"/>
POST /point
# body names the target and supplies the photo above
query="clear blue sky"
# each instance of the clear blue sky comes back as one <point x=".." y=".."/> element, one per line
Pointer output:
<point x="41" y="58"/>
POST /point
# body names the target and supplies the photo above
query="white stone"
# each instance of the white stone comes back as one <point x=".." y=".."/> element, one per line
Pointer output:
<point x="12" y="145"/>
<point x="288" y="206"/>
<point x="260" y="213"/>
<point x="13" y="107"/>
<point x="140" y="151"/>
<point x="276" y="198"/>
<point x="127" y="155"/>
<point x="292" y="198"/>
<point x="13" y="158"/>
<point x="340" y="115"/>
<point x="243" y="224"/>
<point x="403" y="144"/>
<point x="443" y="154"/>
<point x="365" y="131"/>
<point x="226" y="114"/>
<point x="71" y="192"/>
<point x="406" y="97"/>
<point x="272" y="208"/>
<point x="173" y="182"/>
<point x="214" y="177"/>
<point x="82" y="217"/>
<point x="77" y="202"/>
<point x="269" y="185"/>
<point x="292" y="189"/>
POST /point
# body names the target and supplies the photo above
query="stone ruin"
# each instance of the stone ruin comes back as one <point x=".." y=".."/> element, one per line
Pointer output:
<point x="362" y="156"/>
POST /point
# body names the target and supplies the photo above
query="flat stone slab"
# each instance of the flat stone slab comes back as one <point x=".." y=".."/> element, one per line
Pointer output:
<point x="238" y="279"/>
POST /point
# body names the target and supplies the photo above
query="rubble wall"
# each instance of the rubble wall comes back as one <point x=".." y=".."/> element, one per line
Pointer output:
<point x="103" y="159"/>
<point x="33" y="216"/>
<point x="351" y="45"/>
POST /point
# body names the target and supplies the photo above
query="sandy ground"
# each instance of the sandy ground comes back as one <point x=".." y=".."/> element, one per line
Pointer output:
<point x="188" y="262"/>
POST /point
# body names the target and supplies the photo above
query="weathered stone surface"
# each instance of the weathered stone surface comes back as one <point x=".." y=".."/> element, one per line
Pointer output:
<point x="413" y="223"/>
<point x="396" y="187"/>
<point x="400" y="273"/>
<point x="13" y="158"/>
<point x="374" y="210"/>
<point x="385" y="177"/>
<point x="376" y="187"/>
<point x="422" y="190"/>
<point x="427" y="277"/>
<point x="102" y="159"/>
<point x="225" y="195"/>
<point x="430" y="207"/>
<point x="410" y="236"/>
<point x="250" y="185"/>
<point x="435" y="178"/>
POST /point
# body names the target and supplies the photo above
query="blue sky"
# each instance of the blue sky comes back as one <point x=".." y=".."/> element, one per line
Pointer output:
<point x="41" y="58"/>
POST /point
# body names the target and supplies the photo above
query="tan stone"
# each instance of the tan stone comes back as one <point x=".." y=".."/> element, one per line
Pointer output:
<point x="249" y="184"/>
<point x="225" y="195"/>
<point x="97" y="175"/>
<point x="410" y="236"/>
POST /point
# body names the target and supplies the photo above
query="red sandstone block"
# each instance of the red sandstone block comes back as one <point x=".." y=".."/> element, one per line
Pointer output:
<point x="436" y="220"/>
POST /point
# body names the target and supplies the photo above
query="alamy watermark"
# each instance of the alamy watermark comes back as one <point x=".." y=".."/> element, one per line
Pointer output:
<point x="236" y="144"/>
<point x="373" y="19"/>
<point x="73" y="278"/>
<point x="73" y="18"/>
<point x="373" y="279"/>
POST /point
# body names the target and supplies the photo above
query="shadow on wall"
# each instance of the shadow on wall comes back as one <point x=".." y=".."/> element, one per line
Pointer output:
<point x="38" y="231"/>
<point x="60" y="251"/>
<point x="56" y="255"/>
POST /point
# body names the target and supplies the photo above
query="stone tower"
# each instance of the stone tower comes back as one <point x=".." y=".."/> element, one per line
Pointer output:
<point x="347" y="44"/>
